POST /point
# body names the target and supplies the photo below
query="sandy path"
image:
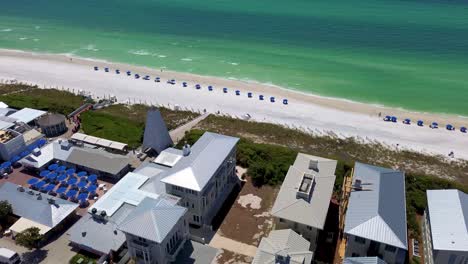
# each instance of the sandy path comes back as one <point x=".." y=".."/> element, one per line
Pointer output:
<point x="308" y="112"/>
<point x="232" y="245"/>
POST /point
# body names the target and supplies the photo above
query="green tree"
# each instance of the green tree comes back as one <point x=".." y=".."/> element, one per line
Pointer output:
<point x="29" y="238"/>
<point x="5" y="210"/>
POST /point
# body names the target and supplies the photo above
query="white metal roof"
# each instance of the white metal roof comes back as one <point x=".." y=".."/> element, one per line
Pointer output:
<point x="5" y="125"/>
<point x="378" y="211"/>
<point x="27" y="115"/>
<point x="3" y="105"/>
<point x="6" y="252"/>
<point x="448" y="214"/>
<point x="102" y="142"/>
<point x="314" y="211"/>
<point x="167" y="158"/>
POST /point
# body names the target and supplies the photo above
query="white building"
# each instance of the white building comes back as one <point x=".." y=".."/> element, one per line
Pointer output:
<point x="445" y="227"/>
<point x="375" y="223"/>
<point x="303" y="200"/>
<point x="11" y="143"/>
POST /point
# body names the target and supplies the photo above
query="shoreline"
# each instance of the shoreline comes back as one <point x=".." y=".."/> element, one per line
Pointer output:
<point x="319" y="115"/>
<point x="343" y="104"/>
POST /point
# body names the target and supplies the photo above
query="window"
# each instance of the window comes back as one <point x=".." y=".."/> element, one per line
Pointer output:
<point x="281" y="220"/>
<point x="193" y="205"/>
<point x="309" y="227"/>
<point x="452" y="259"/>
<point x="390" y="248"/>
<point x="141" y="239"/>
<point x="196" y="218"/>
<point x="360" y="240"/>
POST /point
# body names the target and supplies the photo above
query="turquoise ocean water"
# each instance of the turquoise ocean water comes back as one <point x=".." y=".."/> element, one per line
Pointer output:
<point x="402" y="53"/>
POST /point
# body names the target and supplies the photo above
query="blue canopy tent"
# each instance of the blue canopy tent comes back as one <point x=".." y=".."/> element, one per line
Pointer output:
<point x="449" y="127"/>
<point x="272" y="99"/>
<point x="129" y="73"/>
<point x="53" y="167"/>
<point x="184" y="84"/>
<point x="44" y="173"/>
<point x="225" y="90"/>
<point x="61" y="190"/>
<point x="49" y="187"/>
<point x="72" y="181"/>
<point x="157" y="79"/>
<point x="51" y="176"/>
<point x="394" y="119"/>
<point x="407" y="121"/>
<point x="81" y="174"/>
<point x="92" y="188"/>
<point x="33" y="181"/>
<point x="197" y="86"/>
<point x="285" y="101"/>
<point x="106" y="69"/>
<point x="463" y="129"/>
<point x="137" y="76"/>
<point x="81" y="184"/>
<point x="210" y="88"/>
<point x="249" y="95"/>
<point x="237" y="92"/>
<point x="92" y="178"/>
<point x="62" y="177"/>
<point x="420" y="123"/>
<point x="434" y="125"/>
<point x="146" y="78"/>
<point x="71" y="194"/>
<point x="96" y="68"/>
<point x="387" y="118"/>
<point x="82" y="196"/>
<point x="40" y="184"/>
<point x="70" y="171"/>
<point x="117" y="71"/>
<point x="261" y="97"/>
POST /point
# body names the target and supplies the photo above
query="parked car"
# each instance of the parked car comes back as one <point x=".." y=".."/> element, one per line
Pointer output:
<point x="9" y="256"/>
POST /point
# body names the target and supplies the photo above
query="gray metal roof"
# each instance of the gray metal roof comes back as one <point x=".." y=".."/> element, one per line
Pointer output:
<point x="156" y="135"/>
<point x="196" y="253"/>
<point x="364" y="260"/>
<point x="378" y="211"/>
<point x="50" y="120"/>
<point x="38" y="210"/>
<point x="314" y="211"/>
<point x="98" y="159"/>
<point x="448" y="214"/>
<point x="153" y="219"/>
<point x="286" y="243"/>
<point x="27" y="115"/>
<point x="5" y="125"/>
<point x="100" y="235"/>
<point x="206" y="156"/>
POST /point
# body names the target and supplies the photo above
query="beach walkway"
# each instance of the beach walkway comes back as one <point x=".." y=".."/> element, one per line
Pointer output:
<point x="179" y="132"/>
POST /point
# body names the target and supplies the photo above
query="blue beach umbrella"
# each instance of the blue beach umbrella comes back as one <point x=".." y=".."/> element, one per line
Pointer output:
<point x="71" y="193"/>
<point x="129" y="73"/>
<point x="81" y="174"/>
<point x="62" y="177"/>
<point x="387" y="118"/>
<point x="249" y="95"/>
<point x="434" y="125"/>
<point x="70" y="171"/>
<point x="53" y="167"/>
<point x="420" y="123"/>
<point x="92" y="178"/>
<point x="210" y="88"/>
<point x="285" y="101"/>
<point x="82" y="196"/>
<point x="407" y="121"/>
<point x="49" y="187"/>
<point x="92" y="188"/>
<point x="272" y="99"/>
<point x="72" y="181"/>
<point x="96" y="68"/>
<point x="44" y="173"/>
<point x="81" y="184"/>
<point x="225" y="90"/>
<point x="237" y="92"/>
<point x="33" y="181"/>
<point x="117" y="71"/>
<point x="394" y="119"/>
<point x="61" y="168"/>
<point x="157" y="79"/>
<point x="197" y="86"/>
<point x="449" y="127"/>
<point x="40" y="184"/>
<point x="261" y="97"/>
<point x="463" y="129"/>
<point x="51" y="175"/>
<point x="61" y="190"/>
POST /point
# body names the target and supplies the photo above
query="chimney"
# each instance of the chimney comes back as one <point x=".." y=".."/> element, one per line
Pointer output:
<point x="313" y="165"/>
<point x="358" y="184"/>
<point x="186" y="150"/>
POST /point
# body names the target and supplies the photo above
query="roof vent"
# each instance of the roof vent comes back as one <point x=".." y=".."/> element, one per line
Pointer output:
<point x="103" y="213"/>
<point x="94" y="211"/>
<point x="36" y="152"/>
<point x="313" y="165"/>
<point x="30" y="192"/>
<point x="20" y="188"/>
<point x="83" y="234"/>
<point x="186" y="150"/>
<point x="115" y="232"/>
<point x="51" y="200"/>
<point x="306" y="187"/>
<point x="357" y="184"/>
<point x="39" y="196"/>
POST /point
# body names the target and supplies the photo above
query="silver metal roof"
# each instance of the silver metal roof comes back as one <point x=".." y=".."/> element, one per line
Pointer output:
<point x="378" y="211"/>
<point x="312" y="212"/>
<point x="153" y="219"/>
<point x="98" y="159"/>
<point x="38" y="210"/>
<point x="364" y="260"/>
<point x="206" y="156"/>
<point x="27" y="115"/>
<point x="100" y="235"/>
<point x="156" y="135"/>
<point x="448" y="214"/>
<point x="286" y="243"/>
<point x="5" y="125"/>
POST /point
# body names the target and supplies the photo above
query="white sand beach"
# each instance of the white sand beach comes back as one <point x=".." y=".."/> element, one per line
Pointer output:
<point x="304" y="111"/>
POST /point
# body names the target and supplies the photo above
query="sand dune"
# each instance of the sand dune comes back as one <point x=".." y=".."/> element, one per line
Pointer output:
<point x="309" y="112"/>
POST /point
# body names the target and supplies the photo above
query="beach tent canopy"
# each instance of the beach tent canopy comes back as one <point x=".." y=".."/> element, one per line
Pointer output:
<point x="260" y="97"/>
<point x="237" y="92"/>
<point x="463" y="129"/>
<point x="285" y="101"/>
<point x="225" y="90"/>
<point x="156" y="136"/>
<point x="249" y="94"/>
<point x="394" y="119"/>
<point x="96" y="68"/>
<point x="420" y="123"/>
<point x="272" y="99"/>
<point x="449" y="127"/>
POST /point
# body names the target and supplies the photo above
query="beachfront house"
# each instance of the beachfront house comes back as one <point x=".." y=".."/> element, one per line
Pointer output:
<point x="203" y="177"/>
<point x="445" y="227"/>
<point x="303" y="200"/>
<point x="375" y="222"/>
<point x="156" y="231"/>
<point x="363" y="260"/>
<point x="283" y="246"/>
